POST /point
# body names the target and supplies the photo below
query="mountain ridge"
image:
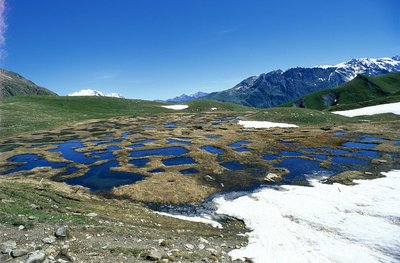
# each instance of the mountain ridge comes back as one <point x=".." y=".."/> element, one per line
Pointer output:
<point x="278" y="87"/>
<point x="186" y="98"/>
<point x="13" y="84"/>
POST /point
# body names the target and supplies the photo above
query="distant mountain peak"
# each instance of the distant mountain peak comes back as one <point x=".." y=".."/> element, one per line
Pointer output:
<point x="185" y="98"/>
<point x="95" y="93"/>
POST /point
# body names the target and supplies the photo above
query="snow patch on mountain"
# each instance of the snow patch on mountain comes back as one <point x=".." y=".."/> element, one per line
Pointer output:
<point x="367" y="66"/>
<point x="95" y="93"/>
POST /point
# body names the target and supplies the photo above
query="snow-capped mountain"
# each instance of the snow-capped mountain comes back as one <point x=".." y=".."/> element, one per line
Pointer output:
<point x="366" y="66"/>
<point x="185" y="98"/>
<point x="278" y="87"/>
<point x="91" y="92"/>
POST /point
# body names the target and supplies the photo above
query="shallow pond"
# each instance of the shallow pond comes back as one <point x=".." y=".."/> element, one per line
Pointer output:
<point x="212" y="149"/>
<point x="140" y="162"/>
<point x="31" y="161"/>
<point x="189" y="171"/>
<point x="233" y="165"/>
<point x="101" y="178"/>
<point x="178" y="161"/>
<point x="300" y="170"/>
<point x="167" y="151"/>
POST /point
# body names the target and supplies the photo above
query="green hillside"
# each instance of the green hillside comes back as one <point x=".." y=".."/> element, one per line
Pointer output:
<point x="30" y="113"/>
<point x="13" y="84"/>
<point x="359" y="92"/>
<point x="304" y="117"/>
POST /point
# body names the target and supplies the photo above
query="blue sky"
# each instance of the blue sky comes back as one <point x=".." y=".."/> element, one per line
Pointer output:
<point x="157" y="49"/>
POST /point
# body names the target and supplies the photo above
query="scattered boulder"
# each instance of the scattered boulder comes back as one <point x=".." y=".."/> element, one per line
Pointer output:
<point x="61" y="232"/>
<point x="8" y="246"/>
<point x="276" y="174"/>
<point x="154" y="255"/>
<point x="189" y="246"/>
<point x="34" y="206"/>
<point x="19" y="253"/>
<point x="49" y="240"/>
<point x="36" y="257"/>
<point x="91" y="215"/>
<point x="272" y="177"/>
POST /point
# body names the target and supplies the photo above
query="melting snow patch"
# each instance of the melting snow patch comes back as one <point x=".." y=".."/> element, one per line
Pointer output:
<point x="323" y="223"/>
<point x="176" y="107"/>
<point x="265" y="124"/>
<point x="371" y="110"/>
<point x="194" y="219"/>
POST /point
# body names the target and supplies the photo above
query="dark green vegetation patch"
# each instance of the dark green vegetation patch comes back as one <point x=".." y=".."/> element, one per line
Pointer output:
<point x="362" y="91"/>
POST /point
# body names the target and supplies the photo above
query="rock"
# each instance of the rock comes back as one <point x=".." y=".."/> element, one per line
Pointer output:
<point x="189" y="246"/>
<point x="202" y="246"/>
<point x="61" y="232"/>
<point x="203" y="240"/>
<point x="36" y="257"/>
<point x="33" y="206"/>
<point x="8" y="246"/>
<point x="21" y="227"/>
<point x="19" y="253"/>
<point x="49" y="240"/>
<point x="91" y="215"/>
<point x="154" y="254"/>
<point x="272" y="177"/>
<point x="213" y="251"/>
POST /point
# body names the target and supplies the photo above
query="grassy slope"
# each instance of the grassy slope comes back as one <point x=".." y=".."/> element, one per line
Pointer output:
<point x="305" y="117"/>
<point x="359" y="92"/>
<point x="31" y="113"/>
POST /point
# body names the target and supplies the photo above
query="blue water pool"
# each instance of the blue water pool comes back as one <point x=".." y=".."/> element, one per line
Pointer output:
<point x="167" y="151"/>
<point x="140" y="162"/>
<point x="178" y="161"/>
<point x="233" y="165"/>
<point x="101" y="178"/>
<point x="212" y="149"/>
<point x="31" y="161"/>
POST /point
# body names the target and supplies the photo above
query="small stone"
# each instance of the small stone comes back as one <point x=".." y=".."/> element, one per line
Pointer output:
<point x="33" y="206"/>
<point x="272" y="177"/>
<point x="21" y="227"/>
<point x="61" y="232"/>
<point x="154" y="255"/>
<point x="8" y="246"/>
<point x="92" y="254"/>
<point x="212" y="251"/>
<point x="201" y="246"/>
<point x="19" y="253"/>
<point x="31" y="217"/>
<point x="203" y="240"/>
<point x="189" y="246"/>
<point x="91" y="215"/>
<point x="49" y="240"/>
<point x="36" y="257"/>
